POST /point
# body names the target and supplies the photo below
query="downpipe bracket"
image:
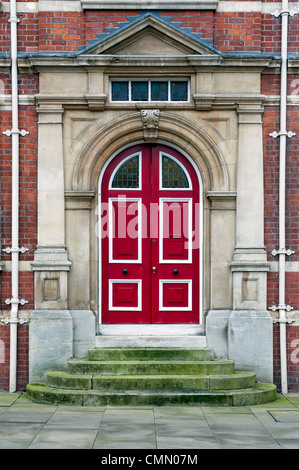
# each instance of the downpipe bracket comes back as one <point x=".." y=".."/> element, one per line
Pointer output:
<point x="283" y="320"/>
<point x="14" y="19"/>
<point x="278" y="13"/>
<point x="13" y="249"/>
<point x="20" y="321"/>
<point x="282" y="251"/>
<point x="275" y="134"/>
<point x="8" y="133"/>
<point x="16" y="301"/>
<point x="274" y="308"/>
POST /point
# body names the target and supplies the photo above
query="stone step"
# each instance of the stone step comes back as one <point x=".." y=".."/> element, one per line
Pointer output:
<point x="259" y="394"/>
<point x="150" y="354"/>
<point x="146" y="340"/>
<point x="238" y="380"/>
<point x="151" y="376"/>
<point x="221" y="367"/>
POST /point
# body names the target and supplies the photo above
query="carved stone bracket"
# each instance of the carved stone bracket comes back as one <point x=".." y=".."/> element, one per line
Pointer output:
<point x="150" y="123"/>
<point x="96" y="102"/>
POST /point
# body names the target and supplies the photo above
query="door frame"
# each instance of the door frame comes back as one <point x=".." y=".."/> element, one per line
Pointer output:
<point x="152" y="327"/>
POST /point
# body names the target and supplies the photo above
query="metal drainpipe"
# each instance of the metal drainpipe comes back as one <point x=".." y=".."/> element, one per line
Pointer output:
<point x="282" y="252"/>
<point x="14" y="249"/>
<point x="15" y="201"/>
<point x="282" y="174"/>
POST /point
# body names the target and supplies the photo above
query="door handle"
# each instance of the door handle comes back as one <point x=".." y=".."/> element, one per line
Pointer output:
<point x="154" y="269"/>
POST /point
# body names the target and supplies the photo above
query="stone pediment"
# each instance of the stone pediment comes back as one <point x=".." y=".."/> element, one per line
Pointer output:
<point x="149" y="34"/>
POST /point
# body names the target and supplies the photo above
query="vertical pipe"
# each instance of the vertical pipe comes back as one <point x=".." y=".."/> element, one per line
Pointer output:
<point x="15" y="201"/>
<point x="282" y="177"/>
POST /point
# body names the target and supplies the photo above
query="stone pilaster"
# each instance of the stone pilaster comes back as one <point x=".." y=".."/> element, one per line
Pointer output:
<point x="249" y="266"/>
<point x="250" y="337"/>
<point x="51" y="263"/>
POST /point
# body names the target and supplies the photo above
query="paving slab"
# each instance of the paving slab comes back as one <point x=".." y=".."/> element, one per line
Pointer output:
<point x="172" y="443"/>
<point x="227" y="441"/>
<point x="127" y="429"/>
<point x="282" y="424"/>
<point x="61" y="438"/>
<point x="288" y="443"/>
<point x="285" y="416"/>
<point x="75" y="419"/>
<point x="26" y="415"/>
<point x="294" y="399"/>
<point x="28" y="425"/>
<point x="18" y="435"/>
<point x="178" y="426"/>
<point x="106" y="441"/>
<point x="280" y="402"/>
<point x="7" y="399"/>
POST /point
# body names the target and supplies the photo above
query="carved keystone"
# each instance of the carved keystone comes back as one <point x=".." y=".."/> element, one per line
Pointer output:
<point x="150" y="123"/>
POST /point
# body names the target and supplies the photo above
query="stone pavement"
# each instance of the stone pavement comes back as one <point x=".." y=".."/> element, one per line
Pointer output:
<point x="28" y="425"/>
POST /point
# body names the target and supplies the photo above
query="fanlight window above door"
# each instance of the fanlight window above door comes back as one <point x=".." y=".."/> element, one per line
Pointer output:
<point x="173" y="175"/>
<point x="127" y="174"/>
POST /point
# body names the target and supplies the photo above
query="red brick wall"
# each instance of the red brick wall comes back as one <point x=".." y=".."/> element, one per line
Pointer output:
<point x="200" y="21"/>
<point x="4" y="32"/>
<point x="22" y="357"/>
<point x="28" y="84"/>
<point x="28" y="191"/>
<point x="238" y="31"/>
<point x="61" y="31"/>
<point x="271" y="86"/>
<point x="270" y="34"/>
<point x="66" y="31"/>
<point x="292" y="358"/>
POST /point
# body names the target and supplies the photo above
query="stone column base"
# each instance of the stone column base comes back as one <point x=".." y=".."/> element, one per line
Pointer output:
<point x="55" y="336"/>
<point x="51" y="267"/>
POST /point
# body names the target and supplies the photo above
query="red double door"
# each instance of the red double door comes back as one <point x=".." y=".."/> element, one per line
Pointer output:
<point x="150" y="238"/>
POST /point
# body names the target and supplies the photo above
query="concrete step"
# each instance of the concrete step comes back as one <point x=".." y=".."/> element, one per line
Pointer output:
<point x="259" y="394"/>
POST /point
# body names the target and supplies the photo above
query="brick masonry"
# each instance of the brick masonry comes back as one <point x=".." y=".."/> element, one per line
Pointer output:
<point x="22" y="357"/>
<point x="58" y="31"/>
<point x="28" y="85"/>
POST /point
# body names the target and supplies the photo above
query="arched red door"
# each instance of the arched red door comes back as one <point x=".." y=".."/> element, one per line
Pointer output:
<point x="150" y="232"/>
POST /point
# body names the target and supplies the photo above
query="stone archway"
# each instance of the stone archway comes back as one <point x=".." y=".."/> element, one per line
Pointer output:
<point x="200" y="142"/>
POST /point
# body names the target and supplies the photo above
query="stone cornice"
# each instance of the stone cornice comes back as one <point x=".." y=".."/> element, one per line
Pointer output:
<point x="195" y="62"/>
<point x="149" y="4"/>
<point x="250" y="6"/>
<point x="202" y="102"/>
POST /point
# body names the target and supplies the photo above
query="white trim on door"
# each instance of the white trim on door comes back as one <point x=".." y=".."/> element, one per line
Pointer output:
<point x="125" y="281"/>
<point x="111" y="226"/>
<point x="176" y="281"/>
<point x="161" y="230"/>
<point x="153" y="329"/>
